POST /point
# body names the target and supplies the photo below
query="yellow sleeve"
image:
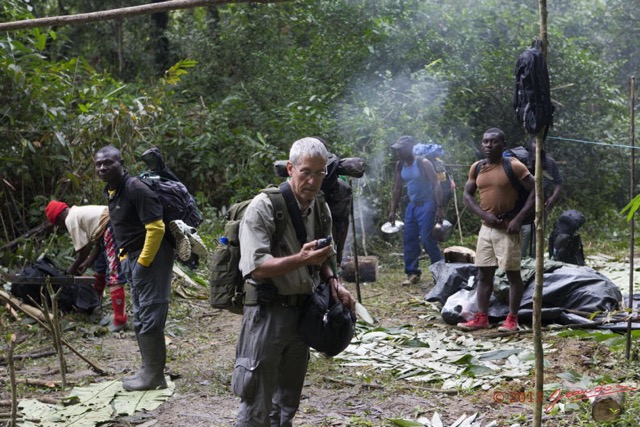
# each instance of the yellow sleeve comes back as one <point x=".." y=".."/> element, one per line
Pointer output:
<point x="152" y="241"/>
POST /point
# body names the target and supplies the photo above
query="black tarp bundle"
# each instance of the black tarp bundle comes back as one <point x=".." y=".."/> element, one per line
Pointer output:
<point x="569" y="293"/>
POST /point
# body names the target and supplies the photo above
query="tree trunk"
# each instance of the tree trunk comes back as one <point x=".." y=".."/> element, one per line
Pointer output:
<point x="607" y="407"/>
<point x="159" y="40"/>
<point x="459" y="254"/>
<point x="367" y="269"/>
<point x="539" y="230"/>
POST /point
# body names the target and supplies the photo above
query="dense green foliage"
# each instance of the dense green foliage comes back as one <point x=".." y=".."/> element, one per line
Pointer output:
<point x="223" y="91"/>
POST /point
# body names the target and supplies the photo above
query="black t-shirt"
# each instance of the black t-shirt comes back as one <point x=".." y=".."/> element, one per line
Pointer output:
<point x="132" y="206"/>
<point x="550" y="175"/>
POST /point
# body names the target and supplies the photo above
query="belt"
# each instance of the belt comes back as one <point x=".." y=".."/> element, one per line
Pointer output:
<point x="251" y="297"/>
<point x="296" y="300"/>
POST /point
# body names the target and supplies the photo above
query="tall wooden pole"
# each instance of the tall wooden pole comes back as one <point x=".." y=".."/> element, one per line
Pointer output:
<point x="355" y="246"/>
<point x="540" y="231"/>
<point x="632" y="186"/>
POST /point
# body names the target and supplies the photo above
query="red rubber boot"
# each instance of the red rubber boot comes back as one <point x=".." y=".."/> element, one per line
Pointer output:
<point x="119" y="309"/>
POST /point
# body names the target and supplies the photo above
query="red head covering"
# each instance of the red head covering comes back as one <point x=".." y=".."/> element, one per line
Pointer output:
<point x="54" y="209"/>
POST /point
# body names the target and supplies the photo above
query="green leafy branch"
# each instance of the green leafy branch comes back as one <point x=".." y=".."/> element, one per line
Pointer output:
<point x="631" y="207"/>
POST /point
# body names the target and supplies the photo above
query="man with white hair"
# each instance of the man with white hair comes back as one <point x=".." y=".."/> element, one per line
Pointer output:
<point x="281" y="272"/>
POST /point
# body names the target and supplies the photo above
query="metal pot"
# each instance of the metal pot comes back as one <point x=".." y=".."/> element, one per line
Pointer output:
<point x="442" y="231"/>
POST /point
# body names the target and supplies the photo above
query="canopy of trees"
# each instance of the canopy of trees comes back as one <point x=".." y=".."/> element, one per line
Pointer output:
<point x="224" y="90"/>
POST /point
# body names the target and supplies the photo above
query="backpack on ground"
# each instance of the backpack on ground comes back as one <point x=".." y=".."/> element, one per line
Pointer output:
<point x="435" y="152"/>
<point x="73" y="297"/>
<point x="226" y="281"/>
<point x="565" y="244"/>
<point x="523" y="193"/>
<point x="177" y="202"/>
<point x="532" y="98"/>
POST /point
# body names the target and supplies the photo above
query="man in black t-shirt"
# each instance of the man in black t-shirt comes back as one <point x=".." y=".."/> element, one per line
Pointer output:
<point x="551" y="184"/>
<point x="147" y="260"/>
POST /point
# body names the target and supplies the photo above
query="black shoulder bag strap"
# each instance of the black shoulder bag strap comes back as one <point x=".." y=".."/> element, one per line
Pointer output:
<point x="321" y="220"/>
<point x="294" y="212"/>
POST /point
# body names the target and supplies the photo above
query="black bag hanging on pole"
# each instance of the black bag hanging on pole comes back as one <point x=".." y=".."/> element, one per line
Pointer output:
<point x="532" y="98"/>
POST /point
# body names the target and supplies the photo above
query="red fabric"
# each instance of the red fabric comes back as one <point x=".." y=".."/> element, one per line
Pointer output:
<point x="117" y="302"/>
<point x="116" y="291"/>
<point x="112" y="260"/>
<point x="100" y="284"/>
<point x="54" y="209"/>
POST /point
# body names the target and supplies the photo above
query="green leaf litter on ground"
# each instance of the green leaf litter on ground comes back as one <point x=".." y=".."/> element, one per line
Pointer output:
<point x="436" y="421"/>
<point x="458" y="360"/>
<point x="98" y="403"/>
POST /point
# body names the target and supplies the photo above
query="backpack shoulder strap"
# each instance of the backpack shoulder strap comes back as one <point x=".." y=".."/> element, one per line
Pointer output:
<point x="508" y="169"/>
<point x="420" y="161"/>
<point x="280" y="211"/>
<point x="479" y="167"/>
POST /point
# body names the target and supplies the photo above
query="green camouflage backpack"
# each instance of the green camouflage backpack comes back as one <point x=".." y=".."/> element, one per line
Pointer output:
<point x="226" y="281"/>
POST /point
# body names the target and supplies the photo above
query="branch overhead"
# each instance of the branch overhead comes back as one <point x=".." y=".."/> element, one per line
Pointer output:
<point x="124" y="12"/>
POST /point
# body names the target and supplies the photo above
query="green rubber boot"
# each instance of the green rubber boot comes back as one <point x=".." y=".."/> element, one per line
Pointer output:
<point x="140" y="369"/>
<point x="151" y="374"/>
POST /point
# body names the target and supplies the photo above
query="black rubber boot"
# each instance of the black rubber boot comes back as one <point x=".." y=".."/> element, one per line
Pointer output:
<point x="154" y="354"/>
<point x="129" y="378"/>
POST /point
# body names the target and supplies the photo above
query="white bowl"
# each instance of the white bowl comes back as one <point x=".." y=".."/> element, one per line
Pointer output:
<point x="389" y="228"/>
